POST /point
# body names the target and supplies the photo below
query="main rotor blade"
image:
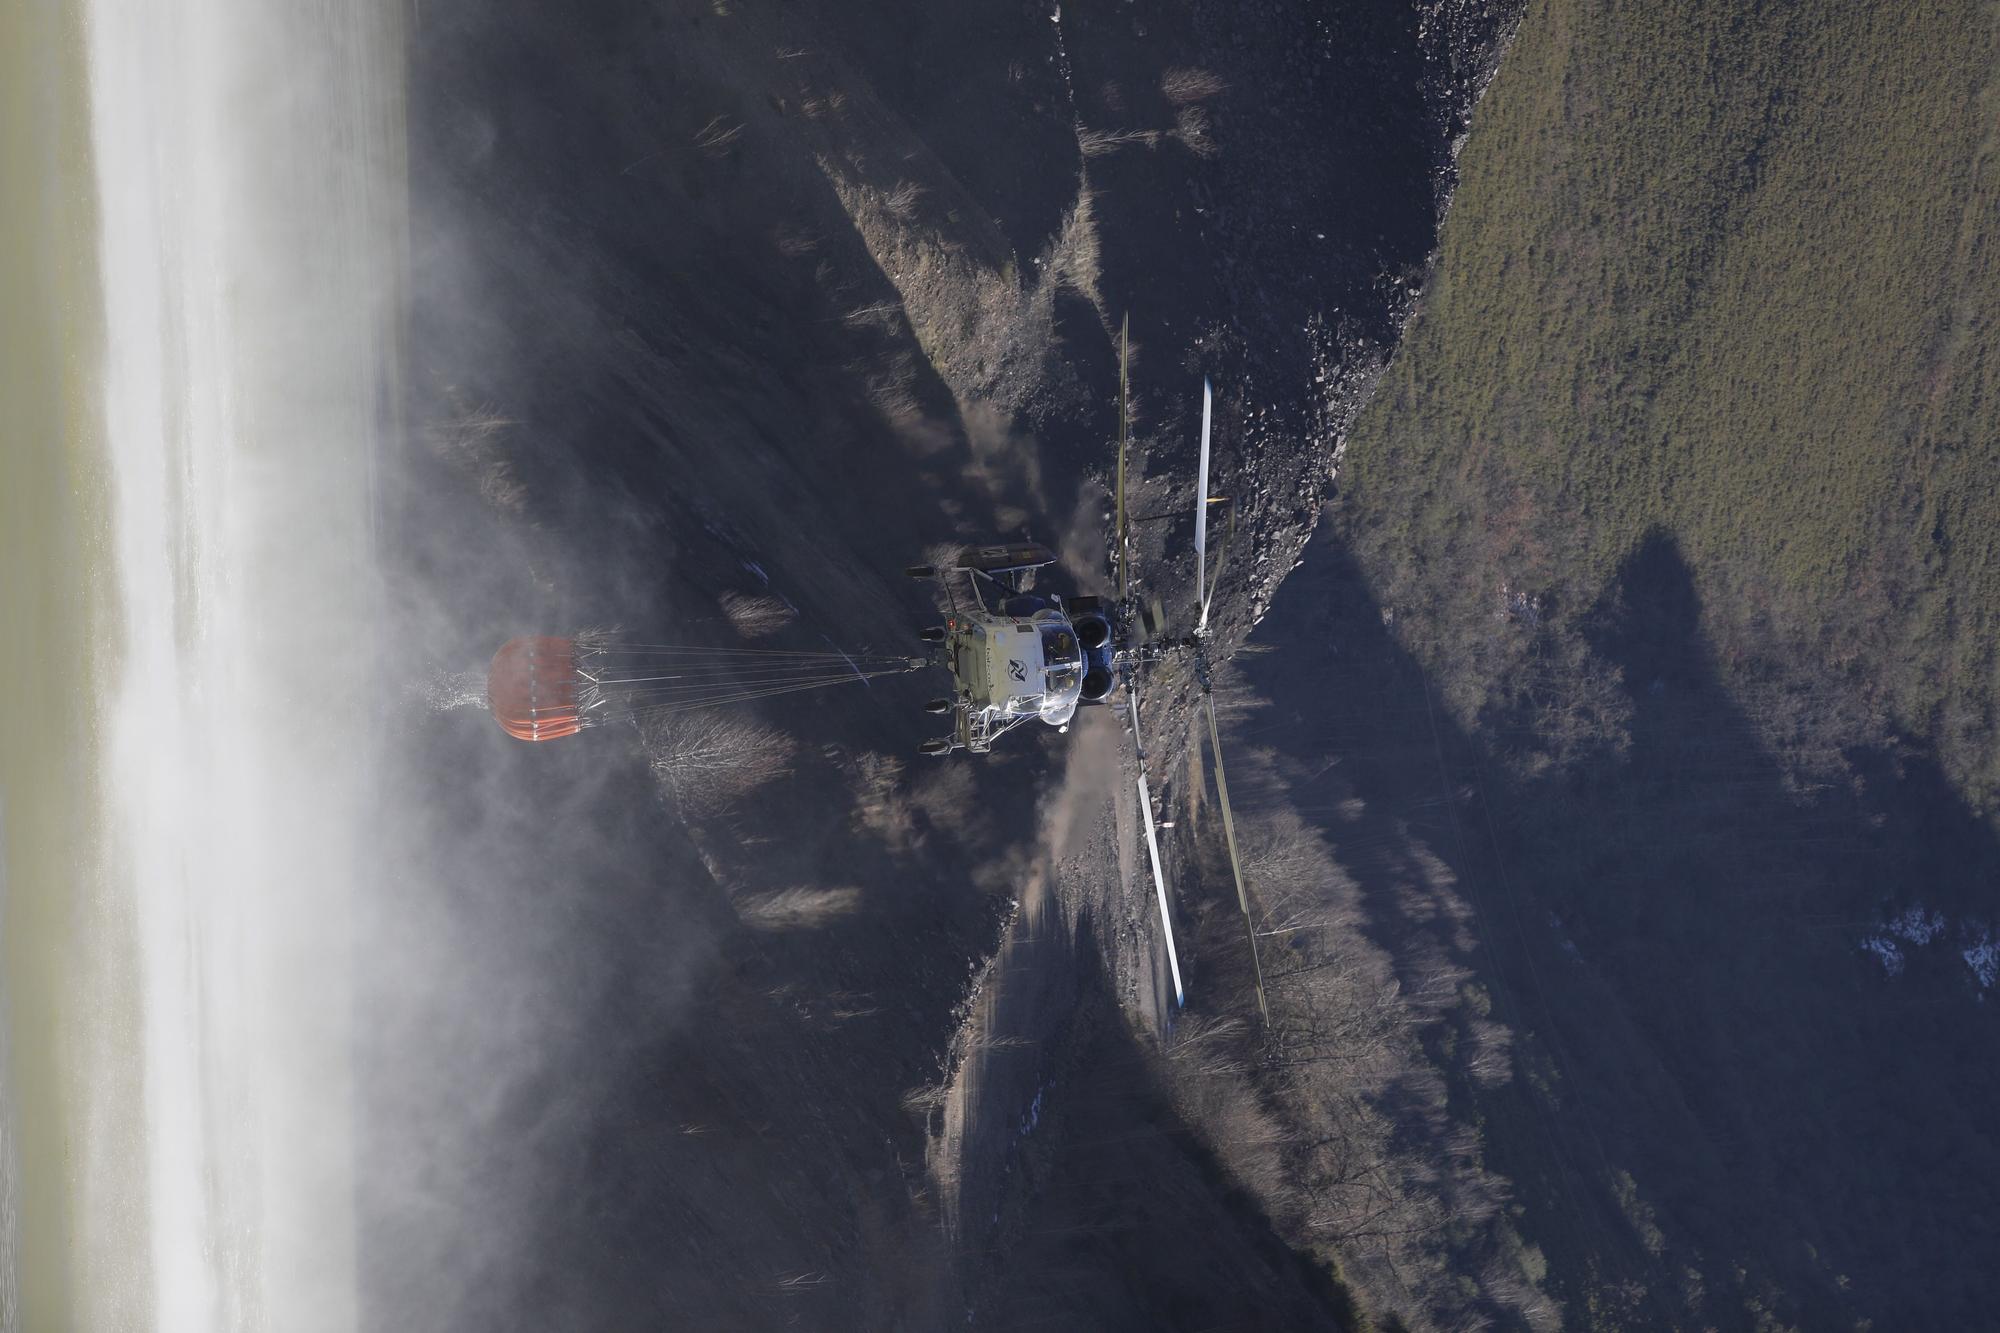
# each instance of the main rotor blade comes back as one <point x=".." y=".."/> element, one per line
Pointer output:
<point x="1124" y="430"/>
<point x="1153" y="842"/>
<point x="1160" y="888"/>
<point x="1201" y="508"/>
<point x="1235" y="861"/>
<point x="1221" y="555"/>
<point x="1132" y="705"/>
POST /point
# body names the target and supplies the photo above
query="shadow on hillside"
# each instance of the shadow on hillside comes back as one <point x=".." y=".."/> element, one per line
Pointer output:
<point x="1124" y="1231"/>
<point x="1708" y="1070"/>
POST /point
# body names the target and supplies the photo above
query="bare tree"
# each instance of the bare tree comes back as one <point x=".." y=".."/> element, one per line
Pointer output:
<point x="708" y="758"/>
<point x="1335" y="1113"/>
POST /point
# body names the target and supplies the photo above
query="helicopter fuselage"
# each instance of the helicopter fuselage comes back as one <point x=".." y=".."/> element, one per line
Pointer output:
<point x="1019" y="664"/>
<point x="1015" y="655"/>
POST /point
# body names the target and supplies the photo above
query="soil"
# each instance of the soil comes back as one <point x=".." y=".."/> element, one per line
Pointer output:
<point x="719" y="298"/>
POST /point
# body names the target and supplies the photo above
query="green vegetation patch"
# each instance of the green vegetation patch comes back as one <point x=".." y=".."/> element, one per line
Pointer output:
<point x="1725" y="272"/>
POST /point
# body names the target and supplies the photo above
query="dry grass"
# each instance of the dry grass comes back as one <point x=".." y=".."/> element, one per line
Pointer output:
<point x="756" y="617"/>
<point x="1184" y="86"/>
<point x="472" y="443"/>
<point x="1073" y="258"/>
<point x="990" y="1045"/>
<point x="945" y="797"/>
<point x="803" y="1281"/>
<point x="1191" y="130"/>
<point x="891" y="389"/>
<point x="803" y="908"/>
<point x="1098" y="143"/>
<point x="923" y="1103"/>
<point x="901" y="202"/>
<point x="885" y="316"/>
<point x="795" y="244"/>
<point x="979" y="318"/>
<point x="718" y="136"/>
<point x="881" y="805"/>
<point x="1186" y="89"/>
<point x="816" y="106"/>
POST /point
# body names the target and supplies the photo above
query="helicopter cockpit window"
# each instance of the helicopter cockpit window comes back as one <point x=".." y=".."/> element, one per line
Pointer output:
<point x="1059" y="646"/>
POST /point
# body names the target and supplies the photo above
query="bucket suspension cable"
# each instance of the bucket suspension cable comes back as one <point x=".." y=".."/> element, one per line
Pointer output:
<point x="542" y="687"/>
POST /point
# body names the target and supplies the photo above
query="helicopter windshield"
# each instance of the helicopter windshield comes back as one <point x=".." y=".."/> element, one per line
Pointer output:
<point x="1059" y="647"/>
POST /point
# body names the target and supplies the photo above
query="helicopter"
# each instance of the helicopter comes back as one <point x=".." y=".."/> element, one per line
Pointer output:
<point x="1016" y="654"/>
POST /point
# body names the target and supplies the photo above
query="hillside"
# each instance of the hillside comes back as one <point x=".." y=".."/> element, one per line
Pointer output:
<point x="1680" y="505"/>
<point x="721" y="316"/>
<point x="1725" y="274"/>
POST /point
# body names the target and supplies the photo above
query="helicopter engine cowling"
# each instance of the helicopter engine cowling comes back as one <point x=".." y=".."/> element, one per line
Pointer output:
<point x="1093" y="635"/>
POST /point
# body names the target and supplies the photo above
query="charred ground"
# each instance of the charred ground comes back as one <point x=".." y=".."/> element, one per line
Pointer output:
<point x="715" y="301"/>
